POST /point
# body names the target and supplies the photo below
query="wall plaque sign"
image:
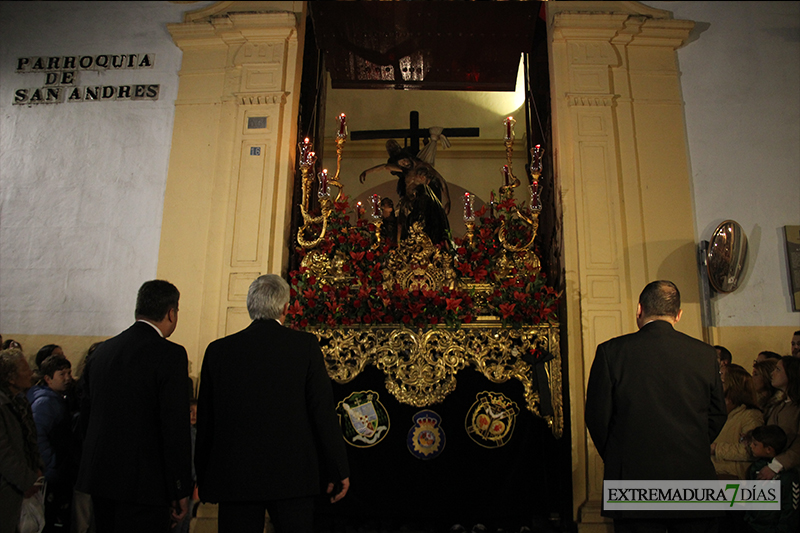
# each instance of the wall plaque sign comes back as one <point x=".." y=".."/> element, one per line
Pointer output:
<point x="61" y="75"/>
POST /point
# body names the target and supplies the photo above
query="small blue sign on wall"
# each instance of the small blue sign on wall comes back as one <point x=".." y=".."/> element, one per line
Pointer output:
<point x="255" y="150"/>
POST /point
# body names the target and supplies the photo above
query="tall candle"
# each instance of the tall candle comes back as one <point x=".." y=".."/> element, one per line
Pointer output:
<point x="536" y="152"/>
<point x="342" y="122"/>
<point x="509" y="123"/>
<point x="323" y="183"/>
<point x="376" y="206"/>
<point x="304" y="147"/>
<point x="468" y="213"/>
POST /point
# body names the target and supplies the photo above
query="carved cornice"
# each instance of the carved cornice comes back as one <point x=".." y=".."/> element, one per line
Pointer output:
<point x="669" y="33"/>
<point x="219" y="9"/>
<point x="233" y="28"/>
<point x="605" y="7"/>
<point x="261" y="98"/>
<point x="590" y="100"/>
<point x="605" y="21"/>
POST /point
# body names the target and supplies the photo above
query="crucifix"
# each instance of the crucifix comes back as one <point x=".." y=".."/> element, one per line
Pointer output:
<point x="414" y="133"/>
<point x="422" y="191"/>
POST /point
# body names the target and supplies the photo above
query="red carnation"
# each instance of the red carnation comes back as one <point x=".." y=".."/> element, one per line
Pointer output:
<point x="295" y="309"/>
<point x="507" y="309"/>
<point x="452" y="303"/>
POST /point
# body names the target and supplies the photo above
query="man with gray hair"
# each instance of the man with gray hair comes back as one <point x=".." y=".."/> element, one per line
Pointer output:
<point x="265" y="401"/>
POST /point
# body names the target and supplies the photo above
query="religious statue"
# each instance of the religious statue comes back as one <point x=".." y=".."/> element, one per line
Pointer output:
<point x="423" y="192"/>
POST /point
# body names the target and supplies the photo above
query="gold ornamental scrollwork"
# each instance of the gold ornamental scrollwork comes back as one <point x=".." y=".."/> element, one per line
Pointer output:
<point x="420" y="366"/>
<point x="417" y="264"/>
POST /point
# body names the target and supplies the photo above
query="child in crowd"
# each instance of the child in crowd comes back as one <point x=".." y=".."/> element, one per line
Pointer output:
<point x="183" y="527"/>
<point x="54" y="436"/>
<point x="765" y="443"/>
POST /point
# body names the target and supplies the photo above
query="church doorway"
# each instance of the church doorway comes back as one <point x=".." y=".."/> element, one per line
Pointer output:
<point x="371" y="61"/>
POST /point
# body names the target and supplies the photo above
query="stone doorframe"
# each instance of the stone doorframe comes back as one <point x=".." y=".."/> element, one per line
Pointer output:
<point x="622" y="169"/>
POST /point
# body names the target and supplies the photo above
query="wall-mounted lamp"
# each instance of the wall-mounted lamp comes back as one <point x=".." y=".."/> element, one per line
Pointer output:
<point x="722" y="263"/>
<point x="726" y="256"/>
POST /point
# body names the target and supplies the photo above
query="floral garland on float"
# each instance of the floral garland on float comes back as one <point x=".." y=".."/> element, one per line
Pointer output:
<point x="349" y="277"/>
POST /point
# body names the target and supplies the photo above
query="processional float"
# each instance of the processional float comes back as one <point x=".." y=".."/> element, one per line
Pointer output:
<point x="421" y="311"/>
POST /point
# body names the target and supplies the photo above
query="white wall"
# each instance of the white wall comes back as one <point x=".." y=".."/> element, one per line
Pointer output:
<point x="741" y="85"/>
<point x="82" y="183"/>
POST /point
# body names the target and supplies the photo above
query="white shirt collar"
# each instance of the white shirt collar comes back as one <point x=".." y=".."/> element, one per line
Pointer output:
<point x="152" y="326"/>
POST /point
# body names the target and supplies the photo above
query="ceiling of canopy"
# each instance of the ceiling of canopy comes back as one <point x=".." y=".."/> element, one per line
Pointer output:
<point x="464" y="46"/>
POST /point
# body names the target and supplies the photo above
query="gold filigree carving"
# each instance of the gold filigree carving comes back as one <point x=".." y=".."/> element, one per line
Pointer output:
<point x="332" y="269"/>
<point x="417" y="264"/>
<point x="317" y="262"/>
<point x="421" y="366"/>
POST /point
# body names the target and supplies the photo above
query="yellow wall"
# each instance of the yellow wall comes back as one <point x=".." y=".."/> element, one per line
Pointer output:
<point x="226" y="215"/>
<point x="745" y="343"/>
<point x="622" y="169"/>
<point x="74" y="346"/>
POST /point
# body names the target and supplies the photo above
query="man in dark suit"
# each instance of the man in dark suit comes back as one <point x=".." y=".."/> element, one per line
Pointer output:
<point x="136" y="460"/>
<point x="654" y="404"/>
<point x="265" y="400"/>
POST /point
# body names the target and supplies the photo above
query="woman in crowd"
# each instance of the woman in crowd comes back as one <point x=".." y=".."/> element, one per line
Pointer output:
<point x="46" y="351"/>
<point x="762" y="381"/>
<point x="784" y="411"/>
<point x="729" y="450"/>
<point x="20" y="464"/>
<point x="11" y="343"/>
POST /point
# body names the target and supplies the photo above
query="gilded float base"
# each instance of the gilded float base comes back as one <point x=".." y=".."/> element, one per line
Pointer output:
<point x="421" y="365"/>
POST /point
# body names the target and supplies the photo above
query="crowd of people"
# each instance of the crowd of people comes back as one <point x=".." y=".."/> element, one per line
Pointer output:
<point x="759" y="440"/>
<point x="42" y="436"/>
<point x="114" y="451"/>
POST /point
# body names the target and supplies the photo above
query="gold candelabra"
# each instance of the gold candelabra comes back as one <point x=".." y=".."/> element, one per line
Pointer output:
<point x="307" y="160"/>
<point x="530" y="217"/>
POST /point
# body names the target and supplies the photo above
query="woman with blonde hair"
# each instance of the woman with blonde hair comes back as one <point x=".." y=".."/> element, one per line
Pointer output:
<point x="762" y="381"/>
<point x="784" y="411"/>
<point x="729" y="451"/>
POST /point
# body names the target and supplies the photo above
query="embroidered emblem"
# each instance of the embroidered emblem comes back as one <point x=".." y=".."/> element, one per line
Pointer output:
<point x="363" y="418"/>
<point x="490" y="421"/>
<point x="426" y="438"/>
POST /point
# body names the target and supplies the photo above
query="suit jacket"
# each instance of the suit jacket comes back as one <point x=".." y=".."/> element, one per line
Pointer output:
<point x="137" y="447"/>
<point x="654" y="404"/>
<point x="265" y="410"/>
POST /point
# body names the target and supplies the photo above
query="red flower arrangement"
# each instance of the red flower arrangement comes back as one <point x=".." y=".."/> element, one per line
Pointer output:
<point x="517" y="298"/>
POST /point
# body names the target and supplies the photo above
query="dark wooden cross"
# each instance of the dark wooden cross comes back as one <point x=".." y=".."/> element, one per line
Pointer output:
<point x="414" y="133"/>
